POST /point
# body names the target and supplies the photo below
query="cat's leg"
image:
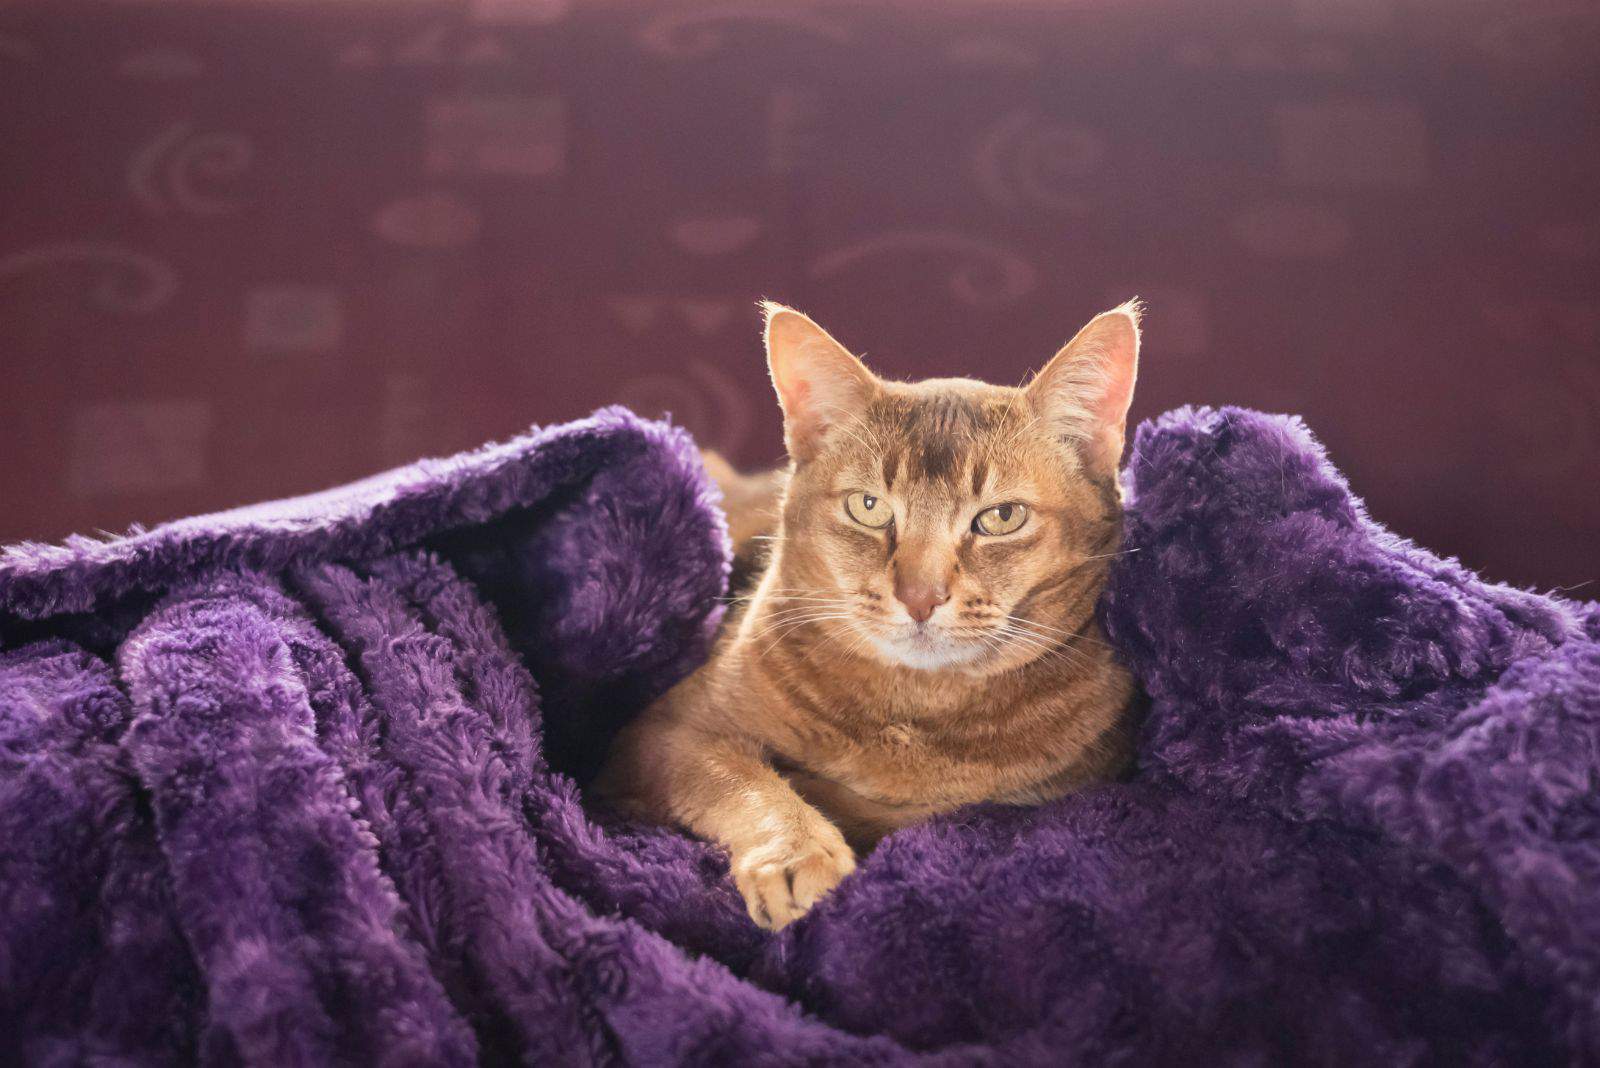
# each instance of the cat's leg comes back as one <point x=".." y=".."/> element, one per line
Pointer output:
<point x="863" y="821"/>
<point x="784" y="854"/>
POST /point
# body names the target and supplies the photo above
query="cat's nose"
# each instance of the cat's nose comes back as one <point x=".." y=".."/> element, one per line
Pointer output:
<point x="921" y="598"/>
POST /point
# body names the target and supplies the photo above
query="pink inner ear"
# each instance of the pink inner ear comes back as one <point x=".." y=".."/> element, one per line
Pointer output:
<point x="1112" y="407"/>
<point x="804" y="425"/>
<point x="797" y="406"/>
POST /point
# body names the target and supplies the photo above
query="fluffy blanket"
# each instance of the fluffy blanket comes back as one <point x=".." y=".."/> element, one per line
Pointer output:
<point x="301" y="784"/>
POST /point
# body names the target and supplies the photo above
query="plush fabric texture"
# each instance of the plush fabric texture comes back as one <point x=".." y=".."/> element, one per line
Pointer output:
<point x="301" y="784"/>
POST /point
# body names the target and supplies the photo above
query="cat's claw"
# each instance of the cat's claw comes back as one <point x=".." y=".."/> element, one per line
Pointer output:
<point x="781" y="884"/>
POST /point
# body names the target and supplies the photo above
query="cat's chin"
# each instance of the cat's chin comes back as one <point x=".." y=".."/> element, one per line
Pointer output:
<point x="926" y="651"/>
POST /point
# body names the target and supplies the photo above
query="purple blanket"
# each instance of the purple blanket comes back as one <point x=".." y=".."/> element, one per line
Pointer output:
<point x="298" y="785"/>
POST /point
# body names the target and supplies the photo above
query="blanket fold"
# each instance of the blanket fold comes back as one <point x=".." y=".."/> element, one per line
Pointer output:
<point x="302" y="783"/>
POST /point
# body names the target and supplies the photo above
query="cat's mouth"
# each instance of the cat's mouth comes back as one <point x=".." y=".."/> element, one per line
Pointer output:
<point x="924" y="646"/>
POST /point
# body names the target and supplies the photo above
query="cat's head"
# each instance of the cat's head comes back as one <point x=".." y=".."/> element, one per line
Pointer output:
<point x="949" y="524"/>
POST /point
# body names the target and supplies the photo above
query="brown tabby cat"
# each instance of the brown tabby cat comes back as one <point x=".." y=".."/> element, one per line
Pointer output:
<point x="923" y="636"/>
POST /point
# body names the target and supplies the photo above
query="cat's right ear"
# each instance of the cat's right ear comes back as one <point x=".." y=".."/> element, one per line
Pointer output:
<point x="820" y="385"/>
<point x="1083" y="393"/>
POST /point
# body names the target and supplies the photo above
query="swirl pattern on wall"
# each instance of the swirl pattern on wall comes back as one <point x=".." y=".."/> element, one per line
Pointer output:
<point x="701" y="397"/>
<point x="122" y="280"/>
<point x="1025" y="161"/>
<point x="180" y="170"/>
<point x="984" y="274"/>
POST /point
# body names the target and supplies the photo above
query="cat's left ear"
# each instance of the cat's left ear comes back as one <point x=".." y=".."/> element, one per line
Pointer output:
<point x="1083" y="393"/>
<point x="820" y="384"/>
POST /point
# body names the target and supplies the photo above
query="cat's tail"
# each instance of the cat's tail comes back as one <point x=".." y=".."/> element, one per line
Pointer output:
<point x="753" y="504"/>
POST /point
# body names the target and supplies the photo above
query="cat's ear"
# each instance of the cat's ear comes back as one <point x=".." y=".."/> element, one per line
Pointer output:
<point x="1083" y="393"/>
<point x="820" y="385"/>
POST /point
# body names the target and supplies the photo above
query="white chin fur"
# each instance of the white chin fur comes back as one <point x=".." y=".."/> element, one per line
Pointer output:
<point x="924" y="651"/>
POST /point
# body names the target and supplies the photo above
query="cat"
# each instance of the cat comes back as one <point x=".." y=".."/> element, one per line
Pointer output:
<point x="922" y="636"/>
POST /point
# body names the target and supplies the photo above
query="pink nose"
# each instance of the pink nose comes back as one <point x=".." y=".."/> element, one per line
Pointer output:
<point x="921" y="598"/>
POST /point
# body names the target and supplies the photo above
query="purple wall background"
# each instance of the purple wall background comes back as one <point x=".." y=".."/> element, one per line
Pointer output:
<point x="249" y="250"/>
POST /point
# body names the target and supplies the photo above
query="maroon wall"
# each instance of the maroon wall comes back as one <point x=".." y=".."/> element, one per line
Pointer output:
<point x="251" y="250"/>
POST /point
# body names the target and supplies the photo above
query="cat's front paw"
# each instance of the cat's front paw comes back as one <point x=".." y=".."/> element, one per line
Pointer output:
<point x="780" y="882"/>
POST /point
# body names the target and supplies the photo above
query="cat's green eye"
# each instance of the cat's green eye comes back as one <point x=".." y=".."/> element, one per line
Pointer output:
<point x="868" y="510"/>
<point x="1001" y="519"/>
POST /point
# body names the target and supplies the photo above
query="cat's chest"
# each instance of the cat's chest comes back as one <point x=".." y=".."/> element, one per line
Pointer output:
<point x="899" y="761"/>
<point x="909" y="746"/>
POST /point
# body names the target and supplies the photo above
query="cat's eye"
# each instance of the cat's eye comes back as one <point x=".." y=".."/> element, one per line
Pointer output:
<point x="868" y="510"/>
<point x="1001" y="519"/>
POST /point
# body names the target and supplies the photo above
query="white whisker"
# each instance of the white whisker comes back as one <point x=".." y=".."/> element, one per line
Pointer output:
<point x="1105" y="556"/>
<point x="1066" y="636"/>
<point x="791" y="626"/>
